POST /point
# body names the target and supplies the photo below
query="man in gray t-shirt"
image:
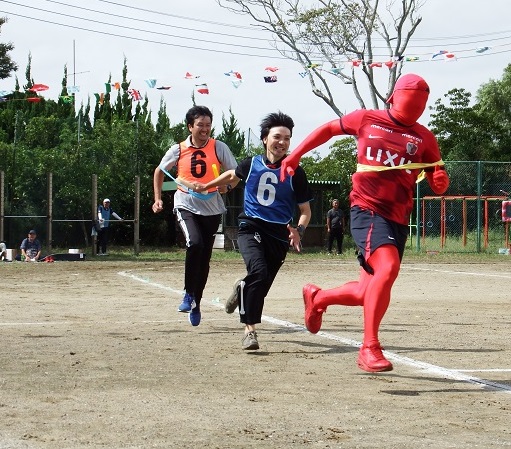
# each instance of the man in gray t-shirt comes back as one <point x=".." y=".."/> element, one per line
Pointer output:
<point x="31" y="247"/>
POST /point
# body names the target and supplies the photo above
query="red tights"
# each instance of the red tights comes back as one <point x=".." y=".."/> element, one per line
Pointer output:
<point x="370" y="291"/>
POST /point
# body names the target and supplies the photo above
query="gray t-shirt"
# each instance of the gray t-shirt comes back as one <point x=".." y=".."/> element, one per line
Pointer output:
<point x="211" y="206"/>
<point x="31" y="247"/>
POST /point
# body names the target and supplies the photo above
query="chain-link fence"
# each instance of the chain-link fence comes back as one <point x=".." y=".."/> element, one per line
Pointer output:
<point x="469" y="217"/>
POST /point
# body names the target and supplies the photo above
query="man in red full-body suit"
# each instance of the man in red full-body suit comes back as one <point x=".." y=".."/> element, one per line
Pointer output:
<point x="392" y="149"/>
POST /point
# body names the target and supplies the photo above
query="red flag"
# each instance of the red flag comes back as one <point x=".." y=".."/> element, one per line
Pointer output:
<point x="202" y="88"/>
<point x="38" y="88"/>
<point x="135" y="94"/>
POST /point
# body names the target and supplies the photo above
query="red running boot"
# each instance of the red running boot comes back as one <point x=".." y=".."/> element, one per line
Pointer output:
<point x="313" y="317"/>
<point x="370" y="358"/>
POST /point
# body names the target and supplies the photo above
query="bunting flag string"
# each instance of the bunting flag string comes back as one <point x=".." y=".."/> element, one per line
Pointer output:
<point x="236" y="78"/>
<point x="270" y="75"/>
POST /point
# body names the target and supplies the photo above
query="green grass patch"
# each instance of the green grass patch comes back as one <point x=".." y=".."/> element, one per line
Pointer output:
<point x="308" y="254"/>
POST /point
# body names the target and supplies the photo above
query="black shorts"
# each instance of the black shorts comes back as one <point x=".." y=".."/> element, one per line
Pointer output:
<point x="370" y="231"/>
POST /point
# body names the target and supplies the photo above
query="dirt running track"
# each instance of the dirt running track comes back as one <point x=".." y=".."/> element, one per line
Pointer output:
<point x="95" y="355"/>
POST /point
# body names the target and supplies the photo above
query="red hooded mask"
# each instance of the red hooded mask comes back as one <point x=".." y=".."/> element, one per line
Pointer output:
<point x="409" y="98"/>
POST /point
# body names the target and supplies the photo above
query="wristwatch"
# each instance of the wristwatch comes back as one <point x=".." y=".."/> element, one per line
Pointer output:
<point x="301" y="231"/>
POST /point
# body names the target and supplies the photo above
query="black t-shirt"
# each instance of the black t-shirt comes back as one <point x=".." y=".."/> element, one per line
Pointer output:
<point x="336" y="218"/>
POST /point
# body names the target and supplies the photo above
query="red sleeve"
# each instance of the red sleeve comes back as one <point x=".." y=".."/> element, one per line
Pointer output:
<point x="351" y="123"/>
<point x="318" y="137"/>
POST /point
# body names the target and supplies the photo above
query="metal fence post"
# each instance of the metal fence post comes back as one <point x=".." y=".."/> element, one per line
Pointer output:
<point x="49" y="207"/>
<point x="478" y="202"/>
<point x="94" y="201"/>
<point x="136" y="224"/>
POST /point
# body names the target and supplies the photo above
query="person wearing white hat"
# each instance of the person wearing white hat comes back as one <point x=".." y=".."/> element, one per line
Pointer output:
<point x="104" y="214"/>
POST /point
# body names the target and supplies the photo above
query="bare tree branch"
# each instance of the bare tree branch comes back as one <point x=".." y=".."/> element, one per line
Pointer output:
<point x="333" y="35"/>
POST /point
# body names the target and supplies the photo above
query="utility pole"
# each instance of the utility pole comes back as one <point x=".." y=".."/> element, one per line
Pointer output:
<point x="13" y="173"/>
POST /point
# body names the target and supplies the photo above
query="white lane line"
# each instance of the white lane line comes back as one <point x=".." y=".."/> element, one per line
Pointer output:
<point x="148" y="281"/>
<point x="467" y="273"/>
<point x="41" y="323"/>
<point x="94" y="323"/>
<point x="426" y="367"/>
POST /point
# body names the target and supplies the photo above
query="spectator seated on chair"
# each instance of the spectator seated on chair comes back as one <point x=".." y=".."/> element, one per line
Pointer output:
<point x="3" y="252"/>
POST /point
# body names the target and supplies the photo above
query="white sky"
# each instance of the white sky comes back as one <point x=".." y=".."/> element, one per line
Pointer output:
<point x="454" y="25"/>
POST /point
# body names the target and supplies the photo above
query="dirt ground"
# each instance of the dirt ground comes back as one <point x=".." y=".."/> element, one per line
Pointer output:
<point x="94" y="354"/>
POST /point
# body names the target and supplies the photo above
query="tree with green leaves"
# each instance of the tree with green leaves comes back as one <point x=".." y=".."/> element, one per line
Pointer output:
<point x="66" y="102"/>
<point x="28" y="74"/>
<point x="232" y="135"/>
<point x="494" y="106"/>
<point x="457" y="127"/>
<point x="479" y="132"/>
<point x="7" y="65"/>
<point x="163" y="123"/>
<point x="338" y="165"/>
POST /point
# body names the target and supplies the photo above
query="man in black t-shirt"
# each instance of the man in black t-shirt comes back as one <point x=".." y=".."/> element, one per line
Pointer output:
<point x="335" y="226"/>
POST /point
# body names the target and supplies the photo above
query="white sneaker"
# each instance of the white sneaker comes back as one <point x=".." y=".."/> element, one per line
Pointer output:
<point x="249" y="341"/>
